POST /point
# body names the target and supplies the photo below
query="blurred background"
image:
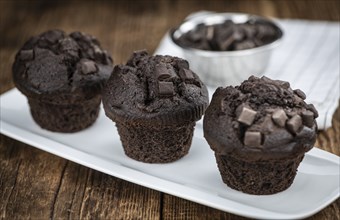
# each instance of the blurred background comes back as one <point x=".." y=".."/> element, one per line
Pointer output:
<point x="123" y="26"/>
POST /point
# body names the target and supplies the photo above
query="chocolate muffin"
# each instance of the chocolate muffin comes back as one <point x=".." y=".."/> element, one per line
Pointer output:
<point x="259" y="132"/>
<point x="62" y="77"/>
<point x="155" y="102"/>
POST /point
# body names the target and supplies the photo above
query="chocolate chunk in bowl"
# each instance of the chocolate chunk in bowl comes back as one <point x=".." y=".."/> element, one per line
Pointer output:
<point x="226" y="48"/>
<point x="229" y="35"/>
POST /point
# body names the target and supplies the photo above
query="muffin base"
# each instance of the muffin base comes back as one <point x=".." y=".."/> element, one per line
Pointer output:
<point x="152" y="144"/>
<point x="260" y="177"/>
<point x="65" y="118"/>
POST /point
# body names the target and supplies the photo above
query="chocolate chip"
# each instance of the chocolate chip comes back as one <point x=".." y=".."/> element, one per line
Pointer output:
<point x="306" y="133"/>
<point x="268" y="126"/>
<point x="266" y="79"/>
<point x="258" y="42"/>
<point x="270" y="110"/>
<point x="294" y="124"/>
<point x="171" y="71"/>
<point x="249" y="31"/>
<point x="186" y="74"/>
<point x="300" y="93"/>
<point x="226" y="44"/>
<point x="313" y="109"/>
<point x="77" y="35"/>
<point x="88" y="67"/>
<point x="290" y="113"/>
<point x="53" y="35"/>
<point x="196" y="35"/>
<point x="210" y="32"/>
<point x="238" y="33"/>
<point x="246" y="116"/>
<point x="282" y="83"/>
<point x="180" y="64"/>
<point x="252" y="139"/>
<point x="308" y="118"/>
<point x="166" y="89"/>
<point x="43" y="43"/>
<point x="265" y="32"/>
<point x="253" y="78"/>
<point x="67" y="43"/>
<point x="235" y="125"/>
<point x="161" y="71"/>
<point x="97" y="50"/>
<point x="245" y="45"/>
<point x="279" y="117"/>
<point x="26" y="55"/>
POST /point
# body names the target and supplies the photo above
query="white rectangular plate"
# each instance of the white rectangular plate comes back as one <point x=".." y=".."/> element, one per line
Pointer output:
<point x="194" y="177"/>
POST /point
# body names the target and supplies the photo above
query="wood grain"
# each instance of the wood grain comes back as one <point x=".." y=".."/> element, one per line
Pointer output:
<point x="37" y="185"/>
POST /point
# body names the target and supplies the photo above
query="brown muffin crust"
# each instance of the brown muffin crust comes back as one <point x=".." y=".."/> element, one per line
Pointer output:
<point x="152" y="144"/>
<point x="154" y="89"/>
<point x="62" y="77"/>
<point x="259" y="177"/>
<point x="58" y="68"/>
<point x="262" y="119"/>
<point x="155" y="102"/>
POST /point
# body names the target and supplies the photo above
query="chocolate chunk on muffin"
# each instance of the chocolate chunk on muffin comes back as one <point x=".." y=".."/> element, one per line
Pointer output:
<point x="62" y="77"/>
<point x="155" y="102"/>
<point x="259" y="132"/>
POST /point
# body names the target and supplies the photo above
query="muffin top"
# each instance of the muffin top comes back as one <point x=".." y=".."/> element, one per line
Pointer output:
<point x="261" y="119"/>
<point x="56" y="67"/>
<point x="154" y="89"/>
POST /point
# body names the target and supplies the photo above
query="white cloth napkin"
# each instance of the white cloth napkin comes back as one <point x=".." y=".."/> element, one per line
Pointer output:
<point x="308" y="58"/>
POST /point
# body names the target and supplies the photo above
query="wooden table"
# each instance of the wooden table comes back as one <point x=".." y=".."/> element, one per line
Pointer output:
<point x="38" y="185"/>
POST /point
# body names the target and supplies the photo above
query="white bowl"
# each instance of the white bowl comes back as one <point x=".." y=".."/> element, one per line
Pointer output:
<point x="221" y="68"/>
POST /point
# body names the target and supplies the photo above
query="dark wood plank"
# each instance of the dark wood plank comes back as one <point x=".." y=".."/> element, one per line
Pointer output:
<point x="35" y="184"/>
<point x="29" y="180"/>
<point x="38" y="185"/>
<point x="177" y="208"/>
